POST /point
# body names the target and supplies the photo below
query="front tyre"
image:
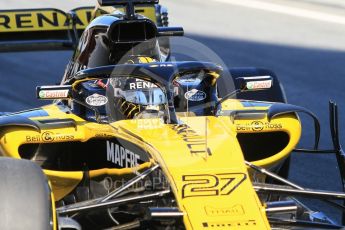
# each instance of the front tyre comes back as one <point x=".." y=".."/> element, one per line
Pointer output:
<point x="25" y="196"/>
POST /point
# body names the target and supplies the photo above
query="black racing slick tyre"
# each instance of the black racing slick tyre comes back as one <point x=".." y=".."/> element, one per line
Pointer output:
<point x="25" y="197"/>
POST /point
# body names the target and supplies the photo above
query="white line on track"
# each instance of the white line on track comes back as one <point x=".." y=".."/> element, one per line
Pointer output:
<point x="288" y="10"/>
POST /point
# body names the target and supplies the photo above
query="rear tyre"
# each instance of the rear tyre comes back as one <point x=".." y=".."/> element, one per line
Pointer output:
<point x="25" y="197"/>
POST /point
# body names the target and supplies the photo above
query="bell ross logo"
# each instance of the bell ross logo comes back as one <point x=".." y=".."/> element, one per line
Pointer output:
<point x="257" y="125"/>
<point x="48" y="136"/>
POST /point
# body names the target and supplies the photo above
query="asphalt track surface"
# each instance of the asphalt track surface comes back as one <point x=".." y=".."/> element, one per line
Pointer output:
<point x="307" y="54"/>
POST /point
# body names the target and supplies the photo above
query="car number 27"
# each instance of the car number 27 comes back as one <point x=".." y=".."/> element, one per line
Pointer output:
<point x="211" y="184"/>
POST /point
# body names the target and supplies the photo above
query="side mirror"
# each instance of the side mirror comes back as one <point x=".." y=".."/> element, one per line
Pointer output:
<point x="255" y="83"/>
<point x="53" y="92"/>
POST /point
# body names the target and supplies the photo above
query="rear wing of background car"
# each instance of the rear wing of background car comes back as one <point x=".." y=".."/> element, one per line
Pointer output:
<point x="53" y="29"/>
<point x="42" y="29"/>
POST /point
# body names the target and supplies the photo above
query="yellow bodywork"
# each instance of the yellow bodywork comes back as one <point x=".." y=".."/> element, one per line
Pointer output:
<point x="288" y="123"/>
<point x="201" y="158"/>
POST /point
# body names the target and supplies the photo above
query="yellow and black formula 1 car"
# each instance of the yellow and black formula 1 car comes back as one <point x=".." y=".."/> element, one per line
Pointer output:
<point x="134" y="140"/>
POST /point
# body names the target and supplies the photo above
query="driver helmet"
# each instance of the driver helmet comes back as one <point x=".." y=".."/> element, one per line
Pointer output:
<point x="137" y="98"/>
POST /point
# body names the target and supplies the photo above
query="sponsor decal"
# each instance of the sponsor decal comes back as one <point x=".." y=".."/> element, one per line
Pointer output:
<point x="148" y="123"/>
<point x="221" y="184"/>
<point x="42" y="20"/>
<point x="236" y="224"/>
<point x="53" y="94"/>
<point x="236" y="210"/>
<point x="103" y="135"/>
<point x="258" y="126"/>
<point x="121" y="156"/>
<point x="48" y="136"/>
<point x="266" y="84"/>
<point x="195" y="95"/>
<point x="96" y="100"/>
<point x="195" y="143"/>
<point x="141" y="84"/>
